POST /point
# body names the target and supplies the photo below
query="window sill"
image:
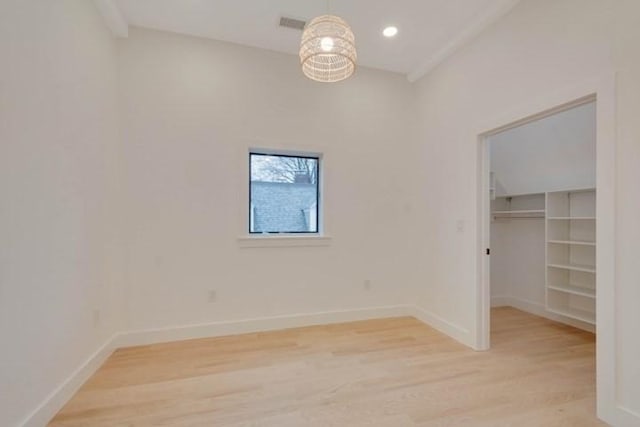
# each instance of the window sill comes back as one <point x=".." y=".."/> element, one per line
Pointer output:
<point x="282" y="241"/>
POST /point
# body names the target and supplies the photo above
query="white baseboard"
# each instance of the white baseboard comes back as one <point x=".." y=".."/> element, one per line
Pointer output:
<point x="439" y="323"/>
<point x="619" y="416"/>
<point x="539" y="310"/>
<point x="500" y="301"/>
<point x="61" y="395"/>
<point x="235" y="327"/>
<point x="627" y="417"/>
<point x="155" y="336"/>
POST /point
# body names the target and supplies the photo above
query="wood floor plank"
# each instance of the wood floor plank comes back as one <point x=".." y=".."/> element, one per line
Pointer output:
<point x="387" y="372"/>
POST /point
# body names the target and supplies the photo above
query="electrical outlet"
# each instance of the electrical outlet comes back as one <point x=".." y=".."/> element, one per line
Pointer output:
<point x="213" y="296"/>
<point x="96" y="318"/>
<point x="366" y="284"/>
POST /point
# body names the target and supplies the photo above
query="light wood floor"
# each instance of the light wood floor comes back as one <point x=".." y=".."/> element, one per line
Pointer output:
<point x="391" y="372"/>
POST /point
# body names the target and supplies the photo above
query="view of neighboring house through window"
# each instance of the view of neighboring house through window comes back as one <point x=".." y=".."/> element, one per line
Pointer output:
<point x="284" y="196"/>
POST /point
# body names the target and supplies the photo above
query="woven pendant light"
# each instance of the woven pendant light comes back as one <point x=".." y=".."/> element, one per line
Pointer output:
<point x="328" y="49"/>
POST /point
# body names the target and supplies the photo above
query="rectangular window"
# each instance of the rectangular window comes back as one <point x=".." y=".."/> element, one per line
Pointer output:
<point x="283" y="193"/>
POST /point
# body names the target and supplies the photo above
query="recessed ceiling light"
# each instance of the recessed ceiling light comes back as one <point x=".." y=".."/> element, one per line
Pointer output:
<point x="390" y="31"/>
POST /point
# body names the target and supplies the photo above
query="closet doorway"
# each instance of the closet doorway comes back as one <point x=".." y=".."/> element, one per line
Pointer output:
<point x="602" y="91"/>
<point x="543" y="218"/>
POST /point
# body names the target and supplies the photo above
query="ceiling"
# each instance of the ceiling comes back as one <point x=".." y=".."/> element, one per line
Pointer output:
<point x="430" y="30"/>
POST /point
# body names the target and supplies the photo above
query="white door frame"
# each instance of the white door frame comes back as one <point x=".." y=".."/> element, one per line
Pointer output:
<point x="602" y="90"/>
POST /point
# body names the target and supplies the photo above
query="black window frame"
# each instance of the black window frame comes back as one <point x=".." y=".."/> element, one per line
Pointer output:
<point x="315" y="157"/>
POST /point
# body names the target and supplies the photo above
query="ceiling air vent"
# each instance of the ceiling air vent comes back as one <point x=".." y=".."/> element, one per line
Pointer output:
<point x="294" y="24"/>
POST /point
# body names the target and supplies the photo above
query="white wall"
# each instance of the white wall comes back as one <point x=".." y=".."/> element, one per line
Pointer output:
<point x="557" y="152"/>
<point x="518" y="261"/>
<point x="59" y="192"/>
<point x="192" y="108"/>
<point x="541" y="47"/>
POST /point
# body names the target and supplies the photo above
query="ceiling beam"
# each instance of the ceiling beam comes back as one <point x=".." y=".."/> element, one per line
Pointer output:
<point x="113" y="17"/>
<point x="481" y="23"/>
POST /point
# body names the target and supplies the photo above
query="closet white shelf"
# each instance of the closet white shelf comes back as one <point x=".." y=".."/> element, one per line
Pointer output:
<point x="574" y="290"/>
<point x="520" y="212"/>
<point x="506" y="196"/>
<point x="572" y="218"/>
<point x="574" y="313"/>
<point x="574" y="267"/>
<point x="573" y="242"/>
<point x="571" y="230"/>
